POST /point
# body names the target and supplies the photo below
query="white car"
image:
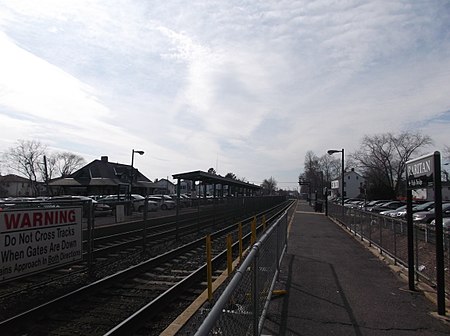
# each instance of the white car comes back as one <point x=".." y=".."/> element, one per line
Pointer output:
<point x="138" y="201"/>
<point x="165" y="202"/>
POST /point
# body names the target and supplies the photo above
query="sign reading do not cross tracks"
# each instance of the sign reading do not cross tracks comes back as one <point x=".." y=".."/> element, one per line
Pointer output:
<point x="35" y="240"/>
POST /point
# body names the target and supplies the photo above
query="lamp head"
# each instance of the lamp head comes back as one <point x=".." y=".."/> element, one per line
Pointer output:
<point x="138" y="151"/>
<point x="332" y="151"/>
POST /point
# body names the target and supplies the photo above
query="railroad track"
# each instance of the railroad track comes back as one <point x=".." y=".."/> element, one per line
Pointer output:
<point x="117" y="243"/>
<point x="119" y="303"/>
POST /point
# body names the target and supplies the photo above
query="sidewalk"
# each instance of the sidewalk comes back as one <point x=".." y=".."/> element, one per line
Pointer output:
<point x="335" y="286"/>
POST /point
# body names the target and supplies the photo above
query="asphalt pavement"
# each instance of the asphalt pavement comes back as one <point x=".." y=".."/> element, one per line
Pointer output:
<point x="336" y="286"/>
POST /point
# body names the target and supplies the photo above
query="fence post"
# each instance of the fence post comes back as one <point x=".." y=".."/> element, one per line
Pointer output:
<point x="240" y="241"/>
<point x="229" y="254"/>
<point x="395" y="242"/>
<point x="209" y="266"/>
<point x="144" y="230"/>
<point x="380" y="227"/>
<point x="253" y="228"/>
<point x="361" y="224"/>
<point x="255" y="295"/>
<point x="416" y="250"/>
<point x="90" y="237"/>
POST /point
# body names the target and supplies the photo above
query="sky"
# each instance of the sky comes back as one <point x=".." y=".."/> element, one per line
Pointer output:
<point x="246" y="87"/>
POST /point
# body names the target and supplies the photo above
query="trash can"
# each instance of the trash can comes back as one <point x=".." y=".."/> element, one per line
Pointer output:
<point x="318" y="206"/>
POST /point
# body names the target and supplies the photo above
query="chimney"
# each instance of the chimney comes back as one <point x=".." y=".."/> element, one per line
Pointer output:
<point x="104" y="159"/>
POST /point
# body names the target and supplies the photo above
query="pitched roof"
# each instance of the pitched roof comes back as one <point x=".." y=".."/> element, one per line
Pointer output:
<point x="102" y="172"/>
<point x="13" y="178"/>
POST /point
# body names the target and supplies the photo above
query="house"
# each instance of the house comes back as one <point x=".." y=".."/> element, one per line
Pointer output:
<point x="101" y="177"/>
<point x="14" y="186"/>
<point x="164" y="186"/>
<point x="353" y="184"/>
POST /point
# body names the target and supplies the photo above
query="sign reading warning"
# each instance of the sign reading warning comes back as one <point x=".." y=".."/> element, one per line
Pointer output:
<point x="38" y="239"/>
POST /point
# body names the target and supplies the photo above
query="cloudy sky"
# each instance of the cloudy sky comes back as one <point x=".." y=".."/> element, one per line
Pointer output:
<point x="241" y="86"/>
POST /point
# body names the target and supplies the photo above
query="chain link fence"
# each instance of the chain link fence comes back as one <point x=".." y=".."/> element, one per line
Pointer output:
<point x="389" y="235"/>
<point x="242" y="306"/>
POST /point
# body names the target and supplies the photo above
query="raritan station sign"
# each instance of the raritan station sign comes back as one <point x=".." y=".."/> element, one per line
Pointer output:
<point x="420" y="172"/>
<point x="35" y="240"/>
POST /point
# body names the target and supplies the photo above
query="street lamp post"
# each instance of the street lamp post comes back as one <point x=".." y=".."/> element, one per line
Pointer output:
<point x="132" y="169"/>
<point x="331" y="152"/>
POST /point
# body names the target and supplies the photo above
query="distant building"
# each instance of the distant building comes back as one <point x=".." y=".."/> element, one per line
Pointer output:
<point x="353" y="184"/>
<point x="101" y="177"/>
<point x="164" y="186"/>
<point x="15" y="186"/>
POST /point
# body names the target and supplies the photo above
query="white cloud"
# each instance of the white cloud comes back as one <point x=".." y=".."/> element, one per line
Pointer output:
<point x="255" y="84"/>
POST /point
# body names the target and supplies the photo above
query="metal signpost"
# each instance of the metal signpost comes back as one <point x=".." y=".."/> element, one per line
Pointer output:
<point x="421" y="173"/>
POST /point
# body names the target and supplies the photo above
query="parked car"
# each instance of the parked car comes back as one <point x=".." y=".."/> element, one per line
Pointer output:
<point x="99" y="208"/>
<point x="392" y="205"/>
<point x="185" y="200"/>
<point x="425" y="217"/>
<point x="137" y="201"/>
<point x="369" y="206"/>
<point x="393" y="213"/>
<point x="416" y="208"/>
<point x="165" y="202"/>
<point x="354" y="204"/>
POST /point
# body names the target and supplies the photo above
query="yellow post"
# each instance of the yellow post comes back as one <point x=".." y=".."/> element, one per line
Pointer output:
<point x="253" y="239"/>
<point x="240" y="241"/>
<point x="229" y="254"/>
<point x="209" y="266"/>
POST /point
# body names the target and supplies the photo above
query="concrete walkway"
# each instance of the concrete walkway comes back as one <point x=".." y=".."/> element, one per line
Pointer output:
<point x="335" y="286"/>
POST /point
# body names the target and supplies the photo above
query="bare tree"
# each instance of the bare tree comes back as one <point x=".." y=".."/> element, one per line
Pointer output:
<point x="313" y="173"/>
<point x="66" y="163"/>
<point x="446" y="153"/>
<point x="331" y="167"/>
<point x="269" y="185"/>
<point x="383" y="158"/>
<point x="26" y="159"/>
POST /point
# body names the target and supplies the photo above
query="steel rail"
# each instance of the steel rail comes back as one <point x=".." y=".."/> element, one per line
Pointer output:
<point x="80" y="293"/>
<point x="147" y="312"/>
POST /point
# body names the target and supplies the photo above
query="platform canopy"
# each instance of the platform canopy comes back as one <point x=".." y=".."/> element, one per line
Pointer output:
<point x="214" y="179"/>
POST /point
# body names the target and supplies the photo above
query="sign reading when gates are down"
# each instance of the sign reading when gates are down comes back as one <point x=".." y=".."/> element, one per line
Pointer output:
<point x="420" y="172"/>
<point x="38" y="239"/>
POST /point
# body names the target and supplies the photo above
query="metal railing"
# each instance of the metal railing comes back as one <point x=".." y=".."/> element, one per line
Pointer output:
<point x="241" y="308"/>
<point x="389" y="235"/>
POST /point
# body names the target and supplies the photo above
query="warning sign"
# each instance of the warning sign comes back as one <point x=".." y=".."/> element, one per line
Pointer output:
<point x="35" y="240"/>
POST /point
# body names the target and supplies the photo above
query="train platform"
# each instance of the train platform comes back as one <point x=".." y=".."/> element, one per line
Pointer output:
<point x="336" y="286"/>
